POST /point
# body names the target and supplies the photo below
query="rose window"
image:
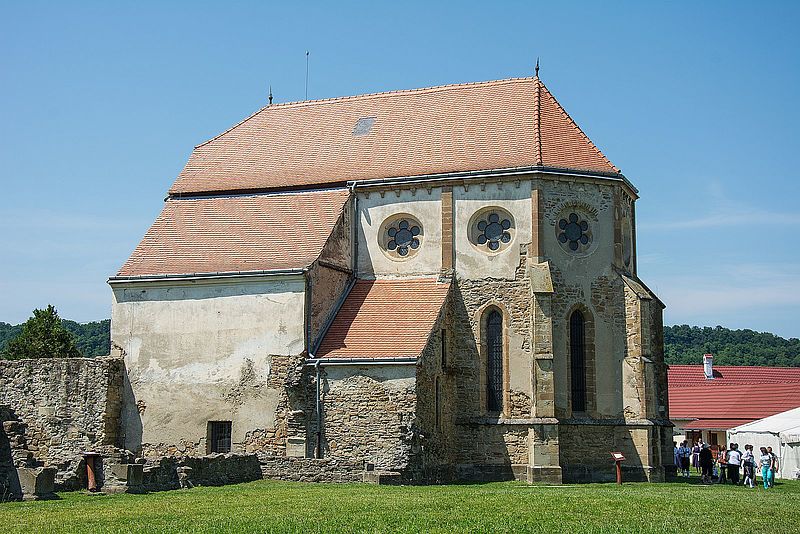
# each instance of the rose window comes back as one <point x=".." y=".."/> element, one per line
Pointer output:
<point x="493" y="230"/>
<point x="573" y="232"/>
<point x="402" y="237"/>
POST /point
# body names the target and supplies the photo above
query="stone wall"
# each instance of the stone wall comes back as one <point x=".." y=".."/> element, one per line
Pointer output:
<point x="369" y="414"/>
<point x="329" y="276"/>
<point x="311" y="469"/>
<point x="11" y="444"/>
<point x="211" y="470"/>
<point x="484" y="445"/>
<point x="586" y="451"/>
<point x="64" y="406"/>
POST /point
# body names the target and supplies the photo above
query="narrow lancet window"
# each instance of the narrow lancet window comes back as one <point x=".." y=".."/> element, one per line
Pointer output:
<point x="577" y="353"/>
<point x="494" y="367"/>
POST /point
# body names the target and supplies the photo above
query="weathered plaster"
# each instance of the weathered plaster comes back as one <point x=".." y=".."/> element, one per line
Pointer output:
<point x="374" y="208"/>
<point x="199" y="352"/>
<point x="473" y="263"/>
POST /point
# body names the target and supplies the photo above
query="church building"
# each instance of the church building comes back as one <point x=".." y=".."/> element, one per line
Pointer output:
<point x="440" y="283"/>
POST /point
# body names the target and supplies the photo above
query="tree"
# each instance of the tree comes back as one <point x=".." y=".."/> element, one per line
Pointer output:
<point x="42" y="336"/>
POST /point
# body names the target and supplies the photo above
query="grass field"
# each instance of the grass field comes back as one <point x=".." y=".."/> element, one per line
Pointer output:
<point x="266" y="506"/>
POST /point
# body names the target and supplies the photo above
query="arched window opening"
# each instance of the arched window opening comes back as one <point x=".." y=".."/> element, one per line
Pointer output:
<point x="438" y="402"/>
<point x="494" y="368"/>
<point x="577" y="352"/>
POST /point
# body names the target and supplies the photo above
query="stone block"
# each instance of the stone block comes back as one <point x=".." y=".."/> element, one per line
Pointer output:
<point x="544" y="475"/>
<point x="382" y="477"/>
<point x="131" y="474"/>
<point x="36" y="483"/>
<point x="296" y="447"/>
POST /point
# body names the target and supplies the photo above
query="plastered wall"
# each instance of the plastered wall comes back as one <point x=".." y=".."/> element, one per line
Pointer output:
<point x="199" y="352"/>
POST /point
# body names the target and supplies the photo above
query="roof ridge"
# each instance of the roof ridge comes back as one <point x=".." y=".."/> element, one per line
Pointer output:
<point x="700" y="365"/>
<point x="537" y="121"/>
<point x="380" y="94"/>
<point x="578" y="128"/>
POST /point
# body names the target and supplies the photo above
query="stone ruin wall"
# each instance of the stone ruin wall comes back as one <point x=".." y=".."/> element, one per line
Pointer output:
<point x="60" y="407"/>
<point x="369" y="415"/>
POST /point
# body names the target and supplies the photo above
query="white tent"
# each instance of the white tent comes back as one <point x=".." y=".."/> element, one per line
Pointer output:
<point x="781" y="432"/>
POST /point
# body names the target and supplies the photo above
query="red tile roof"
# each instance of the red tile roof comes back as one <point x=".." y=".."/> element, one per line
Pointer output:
<point x="237" y="233"/>
<point x="385" y="319"/>
<point x="715" y="424"/>
<point x="467" y="127"/>
<point x="691" y="375"/>
<point x="735" y="396"/>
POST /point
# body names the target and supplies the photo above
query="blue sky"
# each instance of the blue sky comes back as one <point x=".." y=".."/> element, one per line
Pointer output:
<point x="102" y="102"/>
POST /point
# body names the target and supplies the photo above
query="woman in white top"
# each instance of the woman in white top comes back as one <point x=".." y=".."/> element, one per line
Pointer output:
<point x="748" y="463"/>
<point x="734" y="461"/>
<point x="765" y="462"/>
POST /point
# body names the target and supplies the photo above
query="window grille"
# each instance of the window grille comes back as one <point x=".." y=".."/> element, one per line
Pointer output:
<point x="577" y="352"/>
<point x="494" y="368"/>
<point x="219" y="436"/>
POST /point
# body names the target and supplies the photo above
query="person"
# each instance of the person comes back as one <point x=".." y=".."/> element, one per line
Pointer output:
<point x="734" y="459"/>
<point x="765" y="463"/>
<point x="696" y="457"/>
<point x="722" y="463"/>
<point x="773" y="466"/>
<point x="748" y="464"/>
<point x="684" y="452"/>
<point x="706" y="463"/>
<point x="675" y="457"/>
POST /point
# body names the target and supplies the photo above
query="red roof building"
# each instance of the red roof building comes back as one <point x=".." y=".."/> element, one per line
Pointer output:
<point x="707" y="407"/>
<point x="424" y="281"/>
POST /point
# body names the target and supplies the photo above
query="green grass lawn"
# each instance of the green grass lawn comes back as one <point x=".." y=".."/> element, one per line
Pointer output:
<point x="267" y="506"/>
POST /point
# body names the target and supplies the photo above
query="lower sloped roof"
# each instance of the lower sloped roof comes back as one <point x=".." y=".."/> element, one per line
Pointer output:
<point x="237" y="234"/>
<point x="713" y="424"/>
<point x="745" y="402"/>
<point x="385" y="319"/>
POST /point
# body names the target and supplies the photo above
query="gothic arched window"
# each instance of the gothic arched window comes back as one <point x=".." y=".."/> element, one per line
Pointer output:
<point x="577" y="354"/>
<point x="494" y="367"/>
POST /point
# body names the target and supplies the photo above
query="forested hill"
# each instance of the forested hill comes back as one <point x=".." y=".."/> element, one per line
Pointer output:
<point x="682" y="344"/>
<point x="687" y="344"/>
<point x="92" y="339"/>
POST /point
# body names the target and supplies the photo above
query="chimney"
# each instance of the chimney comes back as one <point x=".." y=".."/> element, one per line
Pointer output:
<point x="708" y="366"/>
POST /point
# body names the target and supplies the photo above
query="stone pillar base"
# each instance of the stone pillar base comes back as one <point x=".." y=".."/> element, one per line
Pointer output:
<point x="544" y="475"/>
<point x="382" y="478"/>
<point x="36" y="483"/>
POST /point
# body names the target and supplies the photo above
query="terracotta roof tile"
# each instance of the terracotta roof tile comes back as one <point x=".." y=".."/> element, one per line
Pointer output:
<point x="237" y="233"/>
<point x="468" y="127"/>
<point x="692" y="375"/>
<point x="385" y="319"/>
<point x="715" y="424"/>
<point x="737" y="393"/>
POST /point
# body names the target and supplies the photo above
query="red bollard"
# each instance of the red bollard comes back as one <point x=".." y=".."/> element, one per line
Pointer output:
<point x="90" y="471"/>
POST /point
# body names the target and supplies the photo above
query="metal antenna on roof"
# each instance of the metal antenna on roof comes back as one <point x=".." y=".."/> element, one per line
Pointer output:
<point x="537" y="67"/>
<point x="270" y="94"/>
<point x="306" y="74"/>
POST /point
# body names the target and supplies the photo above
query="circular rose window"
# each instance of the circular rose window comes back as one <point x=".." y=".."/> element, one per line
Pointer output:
<point x="573" y="232"/>
<point x="401" y="236"/>
<point x="492" y="229"/>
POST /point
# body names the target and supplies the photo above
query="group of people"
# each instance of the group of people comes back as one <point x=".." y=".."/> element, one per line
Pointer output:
<point x="716" y="463"/>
